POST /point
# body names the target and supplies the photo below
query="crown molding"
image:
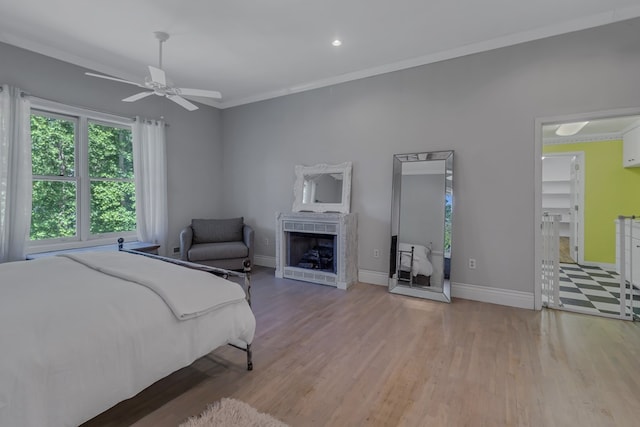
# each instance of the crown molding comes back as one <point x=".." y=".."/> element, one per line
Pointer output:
<point x="583" y="23"/>
<point x="612" y="16"/>
<point x="576" y="139"/>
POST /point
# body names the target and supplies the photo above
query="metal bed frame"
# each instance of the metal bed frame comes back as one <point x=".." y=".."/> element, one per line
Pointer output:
<point x="246" y="275"/>
<point x="402" y="253"/>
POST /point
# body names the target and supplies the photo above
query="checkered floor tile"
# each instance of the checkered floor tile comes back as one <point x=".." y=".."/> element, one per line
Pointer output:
<point x="593" y="290"/>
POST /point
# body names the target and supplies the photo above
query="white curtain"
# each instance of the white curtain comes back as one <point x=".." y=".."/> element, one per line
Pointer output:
<point x="15" y="173"/>
<point x="150" y="167"/>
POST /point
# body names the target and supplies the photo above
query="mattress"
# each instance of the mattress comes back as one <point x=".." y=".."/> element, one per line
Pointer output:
<point x="75" y="341"/>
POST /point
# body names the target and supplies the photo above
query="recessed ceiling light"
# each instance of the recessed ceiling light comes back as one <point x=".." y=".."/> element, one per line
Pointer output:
<point x="568" y="129"/>
<point x="336" y="42"/>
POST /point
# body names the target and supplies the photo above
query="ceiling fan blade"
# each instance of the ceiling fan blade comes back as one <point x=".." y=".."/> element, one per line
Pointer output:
<point x="157" y="75"/>
<point x="137" y="96"/>
<point x="113" y="78"/>
<point x="183" y="102"/>
<point x="199" y="92"/>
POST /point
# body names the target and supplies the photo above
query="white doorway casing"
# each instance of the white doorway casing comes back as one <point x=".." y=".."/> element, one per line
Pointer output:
<point x="539" y="123"/>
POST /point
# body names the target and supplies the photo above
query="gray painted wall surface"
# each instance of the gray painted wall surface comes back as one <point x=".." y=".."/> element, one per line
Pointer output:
<point x="328" y="189"/>
<point x="194" y="160"/>
<point x="483" y="106"/>
<point x="422" y="210"/>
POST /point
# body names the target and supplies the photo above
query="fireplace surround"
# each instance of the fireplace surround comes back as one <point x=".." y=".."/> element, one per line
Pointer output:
<point x="317" y="247"/>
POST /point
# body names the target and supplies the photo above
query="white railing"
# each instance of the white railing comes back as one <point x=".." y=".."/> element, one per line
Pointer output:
<point x="626" y="271"/>
<point x="551" y="260"/>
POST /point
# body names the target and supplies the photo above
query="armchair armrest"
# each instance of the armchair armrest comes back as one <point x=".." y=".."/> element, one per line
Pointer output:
<point x="186" y="240"/>
<point x="248" y="237"/>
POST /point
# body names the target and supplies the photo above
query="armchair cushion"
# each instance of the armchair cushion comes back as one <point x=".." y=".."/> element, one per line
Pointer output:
<point x="220" y="250"/>
<point x="217" y="230"/>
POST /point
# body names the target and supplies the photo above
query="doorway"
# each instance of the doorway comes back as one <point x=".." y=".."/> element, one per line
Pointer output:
<point x="562" y="194"/>
<point x="581" y="184"/>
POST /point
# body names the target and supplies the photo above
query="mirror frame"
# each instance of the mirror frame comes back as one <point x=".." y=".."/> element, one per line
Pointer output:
<point x="322" y="168"/>
<point x="438" y="293"/>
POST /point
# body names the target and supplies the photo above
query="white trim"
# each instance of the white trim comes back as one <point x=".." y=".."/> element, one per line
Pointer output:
<point x="322" y="169"/>
<point x="81" y="117"/>
<point x="69" y="110"/>
<point x="491" y="295"/>
<point x="373" y="277"/>
<point x="488" y="294"/>
<point x="264" y="261"/>
<point x="579" y="139"/>
<point x="73" y="243"/>
<point x="608" y="17"/>
<point x="537" y="181"/>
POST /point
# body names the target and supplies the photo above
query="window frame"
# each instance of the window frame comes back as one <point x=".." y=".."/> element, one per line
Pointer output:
<point x="82" y="117"/>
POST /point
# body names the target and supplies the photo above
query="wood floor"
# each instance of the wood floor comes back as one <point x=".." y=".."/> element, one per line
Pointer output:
<point x="565" y="253"/>
<point x="325" y="357"/>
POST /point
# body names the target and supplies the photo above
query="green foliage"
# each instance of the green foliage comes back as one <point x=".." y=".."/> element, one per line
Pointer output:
<point x="54" y="209"/>
<point x="52" y="146"/>
<point x="112" y="204"/>
<point x="113" y="207"/>
<point x="110" y="152"/>
<point x="447" y="224"/>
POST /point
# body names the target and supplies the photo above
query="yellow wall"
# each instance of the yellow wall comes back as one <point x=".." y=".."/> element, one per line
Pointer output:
<point x="610" y="190"/>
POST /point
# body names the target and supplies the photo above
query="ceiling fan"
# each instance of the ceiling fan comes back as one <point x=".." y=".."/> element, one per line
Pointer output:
<point x="157" y="83"/>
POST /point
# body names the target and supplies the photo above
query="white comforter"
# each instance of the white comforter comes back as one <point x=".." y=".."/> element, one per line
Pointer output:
<point x="421" y="263"/>
<point x="75" y="341"/>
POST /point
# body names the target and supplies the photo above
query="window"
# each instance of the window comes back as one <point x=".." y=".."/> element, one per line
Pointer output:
<point x="83" y="181"/>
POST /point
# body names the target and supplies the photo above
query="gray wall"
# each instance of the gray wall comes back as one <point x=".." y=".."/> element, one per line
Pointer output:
<point x="194" y="161"/>
<point x="482" y="106"/>
<point x="328" y="189"/>
<point x="422" y="210"/>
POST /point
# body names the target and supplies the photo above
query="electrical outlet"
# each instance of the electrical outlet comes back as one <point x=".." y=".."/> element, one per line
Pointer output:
<point x="472" y="263"/>
<point x="176" y="250"/>
<point x="376" y="253"/>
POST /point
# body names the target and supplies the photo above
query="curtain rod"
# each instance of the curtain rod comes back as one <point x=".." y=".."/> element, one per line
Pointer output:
<point x="24" y="93"/>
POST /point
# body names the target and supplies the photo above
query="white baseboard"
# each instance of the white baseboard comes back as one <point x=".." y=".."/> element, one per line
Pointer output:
<point x="373" y="277"/>
<point x="491" y="295"/>
<point x="264" y="261"/>
<point x="461" y="290"/>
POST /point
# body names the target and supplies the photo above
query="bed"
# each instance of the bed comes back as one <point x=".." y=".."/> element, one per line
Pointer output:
<point x="82" y="332"/>
<point x="414" y="264"/>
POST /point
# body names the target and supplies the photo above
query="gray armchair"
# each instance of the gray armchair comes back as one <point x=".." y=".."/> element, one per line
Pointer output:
<point x="222" y="243"/>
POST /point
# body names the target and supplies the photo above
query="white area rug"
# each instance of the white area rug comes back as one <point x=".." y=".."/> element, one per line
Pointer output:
<point x="232" y="413"/>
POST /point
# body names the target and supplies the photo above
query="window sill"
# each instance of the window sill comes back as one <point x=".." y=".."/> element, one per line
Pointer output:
<point x="138" y="246"/>
<point x="59" y="245"/>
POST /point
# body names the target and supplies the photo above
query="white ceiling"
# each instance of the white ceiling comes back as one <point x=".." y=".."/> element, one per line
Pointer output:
<point x="600" y="129"/>
<point x="255" y="49"/>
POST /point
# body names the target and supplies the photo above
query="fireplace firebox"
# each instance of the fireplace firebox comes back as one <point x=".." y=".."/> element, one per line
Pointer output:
<point x="317" y="247"/>
<point x="312" y="251"/>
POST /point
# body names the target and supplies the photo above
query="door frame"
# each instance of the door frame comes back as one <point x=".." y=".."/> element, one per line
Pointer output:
<point x="537" y="180"/>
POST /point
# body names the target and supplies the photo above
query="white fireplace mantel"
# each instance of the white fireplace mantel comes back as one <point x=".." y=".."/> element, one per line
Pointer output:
<point x="343" y="226"/>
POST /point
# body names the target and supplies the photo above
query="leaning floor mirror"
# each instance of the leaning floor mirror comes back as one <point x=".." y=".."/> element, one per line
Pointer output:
<point x="421" y="214"/>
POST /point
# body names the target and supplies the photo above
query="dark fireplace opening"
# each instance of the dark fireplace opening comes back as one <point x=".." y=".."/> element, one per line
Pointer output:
<point x="312" y="251"/>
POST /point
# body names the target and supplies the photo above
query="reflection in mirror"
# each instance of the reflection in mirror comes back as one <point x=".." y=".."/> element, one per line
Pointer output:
<point x="422" y="209"/>
<point x="323" y="188"/>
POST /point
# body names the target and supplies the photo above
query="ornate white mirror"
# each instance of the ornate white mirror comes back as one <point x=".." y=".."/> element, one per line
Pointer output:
<point x="322" y="188"/>
<point x="421" y="213"/>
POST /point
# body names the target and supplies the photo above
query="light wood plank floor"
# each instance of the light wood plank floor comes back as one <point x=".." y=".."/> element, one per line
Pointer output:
<point x="565" y="253"/>
<point x="325" y="357"/>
